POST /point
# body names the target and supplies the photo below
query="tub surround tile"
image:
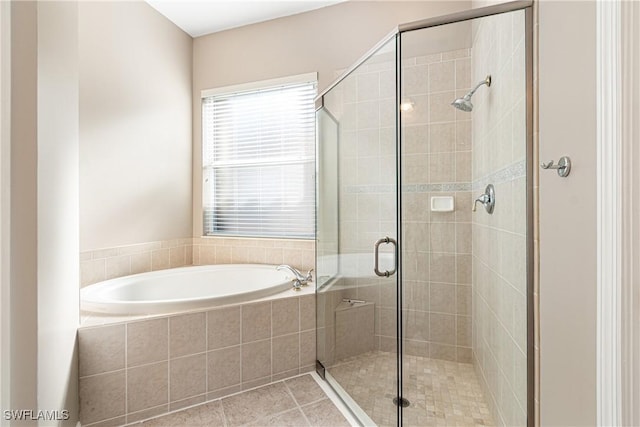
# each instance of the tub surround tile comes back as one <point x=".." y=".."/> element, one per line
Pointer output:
<point x="188" y="377"/>
<point x="307" y="312"/>
<point x="256" y="360"/>
<point x="285" y="353"/>
<point x="187" y="334"/>
<point x="102" y="397"/>
<point x="175" y="361"/>
<point x="147" y="386"/>
<point x="147" y="341"/>
<point x="223" y="327"/>
<point x="285" y="317"/>
<point x="223" y="368"/>
<point x="101" y="349"/>
<point x="256" y="321"/>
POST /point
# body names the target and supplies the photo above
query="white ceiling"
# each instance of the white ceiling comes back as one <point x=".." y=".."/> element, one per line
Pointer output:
<point x="202" y="17"/>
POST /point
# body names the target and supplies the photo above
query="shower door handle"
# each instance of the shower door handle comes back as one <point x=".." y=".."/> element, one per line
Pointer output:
<point x="376" y="251"/>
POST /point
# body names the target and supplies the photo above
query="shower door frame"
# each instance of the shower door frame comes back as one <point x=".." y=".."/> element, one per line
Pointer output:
<point x="467" y="15"/>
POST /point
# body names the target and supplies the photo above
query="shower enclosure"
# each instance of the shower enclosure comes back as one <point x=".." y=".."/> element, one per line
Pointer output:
<point x="424" y="224"/>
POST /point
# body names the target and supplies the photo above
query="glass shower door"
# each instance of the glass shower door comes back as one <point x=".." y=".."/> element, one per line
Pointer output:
<point x="357" y="343"/>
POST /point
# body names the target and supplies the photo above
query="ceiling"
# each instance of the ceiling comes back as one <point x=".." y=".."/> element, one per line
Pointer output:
<point x="202" y="17"/>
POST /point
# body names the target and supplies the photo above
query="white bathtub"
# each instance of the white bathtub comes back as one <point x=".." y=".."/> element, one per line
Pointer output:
<point x="185" y="288"/>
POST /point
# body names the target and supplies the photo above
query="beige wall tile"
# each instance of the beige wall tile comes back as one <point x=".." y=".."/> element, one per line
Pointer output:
<point x="442" y="298"/>
<point x="101" y="349"/>
<point x="92" y="271"/>
<point x="442" y="167"/>
<point x="285" y="319"/>
<point x="442" y="268"/>
<point x="285" y="353"/>
<point x="160" y="259"/>
<point x="191" y="401"/>
<point x="187" y="334"/>
<point x="307" y="312"/>
<point x="307" y="348"/>
<point x="223" y="327"/>
<point x="442" y="351"/>
<point x="117" y="266"/>
<point x="223" y="368"/>
<point x="102" y="396"/>
<point x="443" y="237"/>
<point x="256" y="321"/>
<point x="442" y="138"/>
<point x="417" y="325"/>
<point x="442" y="76"/>
<point x="442" y="328"/>
<point x="178" y="256"/>
<point x="140" y="262"/>
<point x="147" y="341"/>
<point x="188" y="377"/>
<point x="147" y="386"/>
<point x="439" y="108"/>
<point x="256" y="360"/>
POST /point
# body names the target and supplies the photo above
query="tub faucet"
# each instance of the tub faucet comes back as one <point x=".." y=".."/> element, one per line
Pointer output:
<point x="299" y="280"/>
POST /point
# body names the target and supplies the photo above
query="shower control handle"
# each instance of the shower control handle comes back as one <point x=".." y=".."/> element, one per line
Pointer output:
<point x="488" y="199"/>
<point x="376" y="252"/>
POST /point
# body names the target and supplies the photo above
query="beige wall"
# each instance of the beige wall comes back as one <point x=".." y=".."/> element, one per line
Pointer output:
<point x="5" y="194"/>
<point x="23" y="267"/>
<point x="325" y="40"/>
<point x="135" y="126"/>
<point x="568" y="214"/>
<point x="57" y="190"/>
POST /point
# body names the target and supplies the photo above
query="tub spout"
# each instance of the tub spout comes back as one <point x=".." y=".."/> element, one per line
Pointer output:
<point x="300" y="279"/>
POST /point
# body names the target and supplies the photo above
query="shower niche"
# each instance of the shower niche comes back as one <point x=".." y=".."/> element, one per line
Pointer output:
<point x="432" y="326"/>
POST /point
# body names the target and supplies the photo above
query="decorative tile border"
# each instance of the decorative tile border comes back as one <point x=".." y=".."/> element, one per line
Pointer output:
<point x="509" y="173"/>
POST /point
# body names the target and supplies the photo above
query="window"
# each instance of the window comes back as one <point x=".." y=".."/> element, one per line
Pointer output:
<point x="258" y="160"/>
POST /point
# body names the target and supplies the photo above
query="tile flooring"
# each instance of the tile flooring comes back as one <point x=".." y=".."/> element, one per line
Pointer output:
<point x="441" y="393"/>
<point x="296" y="402"/>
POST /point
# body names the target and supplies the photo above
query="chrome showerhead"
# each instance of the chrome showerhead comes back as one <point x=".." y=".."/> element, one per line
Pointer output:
<point x="464" y="103"/>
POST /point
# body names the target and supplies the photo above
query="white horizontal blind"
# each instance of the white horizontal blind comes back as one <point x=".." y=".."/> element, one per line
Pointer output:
<point x="258" y="162"/>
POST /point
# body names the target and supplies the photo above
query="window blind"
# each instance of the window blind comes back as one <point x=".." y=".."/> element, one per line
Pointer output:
<point x="258" y="162"/>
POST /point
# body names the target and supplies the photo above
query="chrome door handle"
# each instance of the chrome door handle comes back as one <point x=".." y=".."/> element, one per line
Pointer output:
<point x="376" y="251"/>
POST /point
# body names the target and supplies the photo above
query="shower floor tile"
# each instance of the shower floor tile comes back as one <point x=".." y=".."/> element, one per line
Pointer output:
<point x="441" y="393"/>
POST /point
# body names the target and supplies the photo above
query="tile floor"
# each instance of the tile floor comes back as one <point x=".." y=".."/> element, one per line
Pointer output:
<point x="441" y="393"/>
<point x="296" y="402"/>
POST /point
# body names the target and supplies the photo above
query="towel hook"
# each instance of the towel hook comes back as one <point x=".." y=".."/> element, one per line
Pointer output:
<point x="563" y="167"/>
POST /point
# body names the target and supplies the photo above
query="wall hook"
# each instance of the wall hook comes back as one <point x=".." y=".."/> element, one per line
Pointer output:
<point x="563" y="167"/>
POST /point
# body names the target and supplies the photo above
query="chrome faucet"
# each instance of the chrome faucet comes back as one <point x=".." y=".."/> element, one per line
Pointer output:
<point x="299" y="280"/>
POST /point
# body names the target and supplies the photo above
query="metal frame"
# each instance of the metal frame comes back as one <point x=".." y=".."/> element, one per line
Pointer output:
<point x="527" y="6"/>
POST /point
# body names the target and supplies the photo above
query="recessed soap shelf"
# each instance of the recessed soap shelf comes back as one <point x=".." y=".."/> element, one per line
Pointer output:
<point x="442" y="204"/>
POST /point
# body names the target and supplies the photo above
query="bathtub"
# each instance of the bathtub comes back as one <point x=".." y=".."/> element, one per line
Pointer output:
<point x="185" y="288"/>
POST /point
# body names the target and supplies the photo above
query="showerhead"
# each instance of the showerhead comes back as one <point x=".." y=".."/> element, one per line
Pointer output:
<point x="464" y="103"/>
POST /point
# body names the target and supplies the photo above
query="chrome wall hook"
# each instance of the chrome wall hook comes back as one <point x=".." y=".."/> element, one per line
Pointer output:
<point x="563" y="166"/>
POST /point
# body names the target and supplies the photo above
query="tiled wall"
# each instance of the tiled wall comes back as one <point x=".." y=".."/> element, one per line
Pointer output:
<point x="364" y="106"/>
<point x="228" y="250"/>
<point x="132" y="371"/>
<point x="110" y="263"/>
<point x="499" y="240"/>
<point x="436" y="161"/>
